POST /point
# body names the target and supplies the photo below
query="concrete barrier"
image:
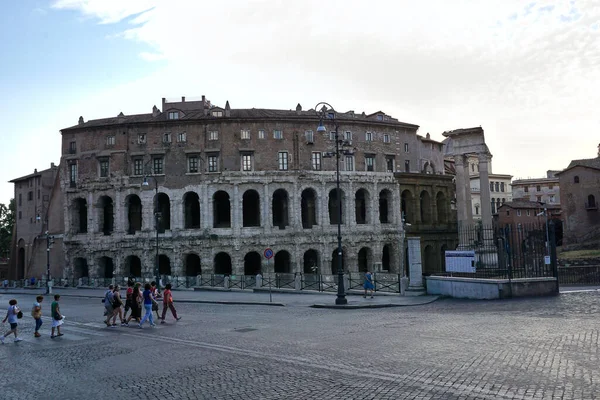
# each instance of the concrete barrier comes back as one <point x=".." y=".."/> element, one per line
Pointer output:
<point x="474" y="288"/>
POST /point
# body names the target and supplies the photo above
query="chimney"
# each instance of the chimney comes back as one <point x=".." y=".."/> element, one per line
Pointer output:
<point x="298" y="109"/>
<point x="35" y="170"/>
<point x="599" y="151"/>
<point x="183" y="99"/>
<point x="155" y="111"/>
<point x="80" y="122"/>
<point x="206" y="106"/>
<point x="227" y="109"/>
<point x="163" y="103"/>
<point x="428" y="136"/>
<point x="52" y="165"/>
<point x="121" y="114"/>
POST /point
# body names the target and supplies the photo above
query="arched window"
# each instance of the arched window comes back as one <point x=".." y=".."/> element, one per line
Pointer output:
<point x="591" y="202"/>
<point x="576" y="179"/>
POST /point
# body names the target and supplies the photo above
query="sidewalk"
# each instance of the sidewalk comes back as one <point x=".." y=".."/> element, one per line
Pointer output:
<point x="246" y="297"/>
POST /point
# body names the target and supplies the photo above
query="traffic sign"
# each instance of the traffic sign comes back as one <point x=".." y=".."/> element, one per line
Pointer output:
<point x="268" y="253"/>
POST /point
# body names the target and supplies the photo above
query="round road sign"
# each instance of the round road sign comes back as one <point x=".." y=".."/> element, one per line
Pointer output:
<point x="268" y="253"/>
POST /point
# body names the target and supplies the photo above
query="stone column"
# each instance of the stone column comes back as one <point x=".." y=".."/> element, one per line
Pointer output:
<point x="484" y="190"/>
<point x="415" y="269"/>
<point x="206" y="219"/>
<point x="236" y="206"/>
<point x="265" y="219"/>
<point x="461" y="193"/>
<point x="468" y="198"/>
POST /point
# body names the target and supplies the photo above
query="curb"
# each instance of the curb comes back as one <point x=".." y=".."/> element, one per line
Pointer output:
<point x="359" y="306"/>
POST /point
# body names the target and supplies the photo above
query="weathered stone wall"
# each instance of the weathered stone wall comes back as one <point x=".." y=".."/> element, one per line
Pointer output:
<point x="580" y="223"/>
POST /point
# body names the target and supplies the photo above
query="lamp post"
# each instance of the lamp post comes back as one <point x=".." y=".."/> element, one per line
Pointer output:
<point x="328" y="112"/>
<point x="156" y="221"/>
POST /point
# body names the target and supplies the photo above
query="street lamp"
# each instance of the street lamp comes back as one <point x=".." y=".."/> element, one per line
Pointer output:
<point x="545" y="213"/>
<point x="328" y="112"/>
<point x="156" y="222"/>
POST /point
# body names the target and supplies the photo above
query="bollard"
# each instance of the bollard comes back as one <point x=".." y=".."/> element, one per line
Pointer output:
<point x="259" y="280"/>
<point x="297" y="282"/>
<point x="226" y="282"/>
<point x="403" y="285"/>
<point x="198" y="280"/>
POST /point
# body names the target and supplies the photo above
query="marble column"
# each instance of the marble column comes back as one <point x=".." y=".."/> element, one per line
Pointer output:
<point x="463" y="191"/>
<point x="484" y="183"/>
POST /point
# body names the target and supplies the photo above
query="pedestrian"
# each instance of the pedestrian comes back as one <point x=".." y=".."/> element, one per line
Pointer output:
<point x="32" y="281"/>
<point x="136" y="304"/>
<point x="36" y="313"/>
<point x="117" y="304"/>
<point x="128" y="295"/>
<point x="368" y="285"/>
<point x="108" y="306"/>
<point x="57" y="317"/>
<point x="147" y="306"/>
<point x="12" y="315"/>
<point x="155" y="296"/>
<point x="168" y="303"/>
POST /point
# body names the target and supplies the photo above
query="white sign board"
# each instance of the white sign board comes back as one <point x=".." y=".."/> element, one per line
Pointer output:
<point x="460" y="261"/>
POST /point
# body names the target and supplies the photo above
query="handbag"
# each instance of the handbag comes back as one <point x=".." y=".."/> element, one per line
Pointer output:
<point x="154" y="305"/>
<point x="20" y="314"/>
<point x="57" y="316"/>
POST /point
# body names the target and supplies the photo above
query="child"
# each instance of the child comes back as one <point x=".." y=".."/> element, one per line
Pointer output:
<point x="168" y="303"/>
<point x="11" y="315"/>
<point x="57" y="318"/>
<point x="36" y="313"/>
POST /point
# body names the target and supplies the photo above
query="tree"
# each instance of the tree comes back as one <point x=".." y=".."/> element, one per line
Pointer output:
<point x="7" y="221"/>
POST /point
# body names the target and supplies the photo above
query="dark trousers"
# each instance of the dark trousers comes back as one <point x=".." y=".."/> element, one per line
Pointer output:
<point x="38" y="324"/>
<point x="172" y="307"/>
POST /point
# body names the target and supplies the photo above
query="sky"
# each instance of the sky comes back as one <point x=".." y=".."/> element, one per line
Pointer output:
<point x="527" y="72"/>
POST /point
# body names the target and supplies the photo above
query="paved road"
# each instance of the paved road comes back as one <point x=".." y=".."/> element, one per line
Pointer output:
<point x="539" y="348"/>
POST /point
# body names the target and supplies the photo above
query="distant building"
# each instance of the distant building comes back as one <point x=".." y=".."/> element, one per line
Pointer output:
<point x="546" y="190"/>
<point x="500" y="188"/>
<point x="526" y="212"/>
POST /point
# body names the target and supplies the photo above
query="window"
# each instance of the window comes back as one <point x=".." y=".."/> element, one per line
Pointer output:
<point x="370" y="162"/>
<point x="310" y="137"/>
<point x="379" y="117"/>
<point x="502" y="186"/>
<point x="261" y="134"/>
<point x="166" y="138"/>
<point x="386" y="138"/>
<point x="158" y="164"/>
<point x="472" y="167"/>
<point x="528" y="213"/>
<point x="142" y="138"/>
<point x="213" y="163"/>
<point x="316" y="161"/>
<point x="497" y="186"/>
<point x="182" y="137"/>
<point x="476" y="210"/>
<point x="277" y="134"/>
<point x="29" y="195"/>
<point x="491" y="186"/>
<point x="406" y="147"/>
<point x="348" y="136"/>
<point x="173" y="115"/>
<point x="552" y="199"/>
<point x="103" y="167"/>
<point x="332" y="136"/>
<point x="389" y="163"/>
<point x="213" y="135"/>
<point x="73" y="173"/>
<point x="20" y="199"/>
<point x="550" y="186"/>
<point x="369" y="136"/>
<point x="193" y="164"/>
<point x="72" y="147"/>
<point x="245" y="134"/>
<point x="247" y="162"/>
<point x="539" y="198"/>
<point x="503" y="201"/>
<point x="518" y="213"/>
<point x="217" y="113"/>
<point x="20" y="215"/>
<point x="538" y="188"/>
<point x="38" y="194"/>
<point x="282" y="158"/>
<point x="349" y="163"/>
<point x="110" y="140"/>
<point x="576" y="179"/>
<point x="407" y="166"/>
<point x="526" y="189"/>
<point x="138" y="166"/>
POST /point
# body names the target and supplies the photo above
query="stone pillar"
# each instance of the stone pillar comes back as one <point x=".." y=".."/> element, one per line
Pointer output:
<point x="206" y="219"/>
<point x="462" y="205"/>
<point x="468" y="198"/>
<point x="265" y="218"/>
<point x="415" y="269"/>
<point x="484" y="190"/>
<point x="236" y="206"/>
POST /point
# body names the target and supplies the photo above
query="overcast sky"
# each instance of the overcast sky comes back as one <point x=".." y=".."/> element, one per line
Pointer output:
<point x="528" y="73"/>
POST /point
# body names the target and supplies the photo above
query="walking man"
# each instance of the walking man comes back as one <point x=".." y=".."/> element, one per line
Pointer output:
<point x="168" y="303"/>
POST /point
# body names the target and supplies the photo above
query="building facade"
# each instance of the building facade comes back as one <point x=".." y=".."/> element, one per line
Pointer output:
<point x="220" y="185"/>
<point x="524" y="212"/>
<point x="500" y="188"/>
<point x="545" y="190"/>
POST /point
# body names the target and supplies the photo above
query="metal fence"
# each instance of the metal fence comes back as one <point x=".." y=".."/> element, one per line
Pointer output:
<point x="579" y="275"/>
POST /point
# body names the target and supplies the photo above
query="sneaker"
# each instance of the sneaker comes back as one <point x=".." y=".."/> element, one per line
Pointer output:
<point x="178" y="318"/>
<point x="2" y="339"/>
<point x="37" y="334"/>
<point x="124" y="324"/>
<point x="52" y="336"/>
<point x="113" y="326"/>
<point x="18" y="339"/>
<point x="60" y="334"/>
<point x="163" y="321"/>
<point x="140" y="326"/>
<point x="153" y="325"/>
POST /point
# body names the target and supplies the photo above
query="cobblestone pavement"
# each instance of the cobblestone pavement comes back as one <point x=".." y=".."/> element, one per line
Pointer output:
<point x="543" y="348"/>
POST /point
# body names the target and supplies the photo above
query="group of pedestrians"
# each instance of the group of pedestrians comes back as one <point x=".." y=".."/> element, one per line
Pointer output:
<point x="137" y="299"/>
<point x="14" y="314"/>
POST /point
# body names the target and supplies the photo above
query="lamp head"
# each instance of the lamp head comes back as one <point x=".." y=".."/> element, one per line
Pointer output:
<point x="321" y="127"/>
<point x="145" y="182"/>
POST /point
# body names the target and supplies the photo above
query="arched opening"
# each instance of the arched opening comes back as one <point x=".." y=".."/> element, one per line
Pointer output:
<point x="576" y="179"/>
<point x="309" y="208"/>
<point x="164" y="265"/>
<point x="591" y="201"/>
<point x="192" y="265"/>
<point x="80" y="268"/>
<point x="311" y="262"/>
<point x="336" y="213"/>
<point x="425" y="200"/>
<point x="133" y="206"/>
<point x="222" y="264"/>
<point x="386" y="258"/>
<point x="21" y="260"/>
<point x="251" y="208"/>
<point x="406" y="262"/>
<point x="252" y="263"/>
<point x="335" y="261"/>
<point x="105" y="215"/>
<point x="364" y="259"/>
<point x="191" y="210"/>
<point x="443" y="257"/>
<point x="163" y="204"/>
<point x="361" y="205"/>
<point x="280" y="209"/>
<point x="105" y="267"/>
<point x="282" y="262"/>
<point x="385" y="199"/>
<point x="408" y="213"/>
<point x="133" y="266"/>
<point x="429" y="264"/>
<point x="441" y="207"/>
<point x="221" y="210"/>
<point x="79" y="216"/>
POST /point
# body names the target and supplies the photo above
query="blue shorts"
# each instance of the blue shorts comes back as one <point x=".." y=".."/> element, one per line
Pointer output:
<point x="13" y="326"/>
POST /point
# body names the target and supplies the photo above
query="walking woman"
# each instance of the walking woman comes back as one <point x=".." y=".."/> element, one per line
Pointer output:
<point x="117" y="309"/>
<point x="147" y="306"/>
<point x="368" y="284"/>
<point x="57" y="317"/>
<point x="136" y="305"/>
<point x="168" y="303"/>
<point x="36" y="313"/>
<point x="12" y="317"/>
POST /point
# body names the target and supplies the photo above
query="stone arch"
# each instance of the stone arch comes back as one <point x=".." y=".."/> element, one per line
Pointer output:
<point x="441" y="207"/>
<point x="133" y="266"/>
<point x="591" y="201"/>
<point x="385" y="209"/>
<point x="79" y="218"/>
<point x="106" y="267"/>
<point x="21" y="259"/>
<point x="335" y="262"/>
<point x="335" y="212"/>
<point x="425" y="201"/>
<point x="280" y="208"/>
<point x="429" y="264"/>
<point x="193" y="267"/>
<point x="365" y="259"/>
<point x="408" y="206"/>
<point x="362" y="206"/>
<point x="191" y="210"/>
<point x="309" y="208"/>
<point x="163" y="208"/>
<point x="283" y="262"/>
<point x="386" y="258"/>
<point x="252" y="263"/>
<point x="221" y="210"/>
<point x="164" y="265"/>
<point x="222" y="264"/>
<point x="250" y="208"/>
<point x="80" y="268"/>
<point x="133" y="208"/>
<point x="311" y="262"/>
<point x="105" y="214"/>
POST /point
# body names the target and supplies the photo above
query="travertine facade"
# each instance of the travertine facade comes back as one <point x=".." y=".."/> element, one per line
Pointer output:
<point x="228" y="183"/>
<point x="545" y="190"/>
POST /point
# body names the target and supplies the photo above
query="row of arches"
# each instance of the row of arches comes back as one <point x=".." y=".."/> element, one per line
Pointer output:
<point x="424" y="209"/>
<point x="222" y="210"/>
<point x="222" y="264"/>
